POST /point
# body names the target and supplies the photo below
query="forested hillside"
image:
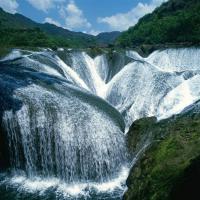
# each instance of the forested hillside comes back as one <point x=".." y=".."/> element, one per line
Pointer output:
<point x="18" y="30"/>
<point x="174" y="22"/>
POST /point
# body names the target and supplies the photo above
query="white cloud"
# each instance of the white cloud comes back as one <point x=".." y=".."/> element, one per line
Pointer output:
<point x="52" y="21"/>
<point x="93" y="32"/>
<point x="122" y="21"/>
<point x="73" y="16"/>
<point x="9" y="5"/>
<point x="44" y="5"/>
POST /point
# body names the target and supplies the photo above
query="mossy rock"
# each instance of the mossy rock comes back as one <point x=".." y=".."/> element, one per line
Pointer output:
<point x="187" y="186"/>
<point x="4" y="51"/>
<point x="138" y="133"/>
<point x="161" y="171"/>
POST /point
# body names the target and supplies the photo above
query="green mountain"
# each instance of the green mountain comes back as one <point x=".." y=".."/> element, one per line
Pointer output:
<point x="176" y="22"/>
<point x="18" y="30"/>
<point x="107" y="38"/>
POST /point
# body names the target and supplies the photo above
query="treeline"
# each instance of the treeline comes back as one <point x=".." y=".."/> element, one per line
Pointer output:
<point x="175" y="22"/>
<point x="29" y="37"/>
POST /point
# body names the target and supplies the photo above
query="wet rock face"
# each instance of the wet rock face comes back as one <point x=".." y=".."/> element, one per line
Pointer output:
<point x="140" y="133"/>
<point x="4" y="151"/>
<point x="169" y="168"/>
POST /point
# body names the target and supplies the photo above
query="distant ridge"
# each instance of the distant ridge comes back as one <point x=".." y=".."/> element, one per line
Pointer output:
<point x="18" y="30"/>
<point x="108" y="37"/>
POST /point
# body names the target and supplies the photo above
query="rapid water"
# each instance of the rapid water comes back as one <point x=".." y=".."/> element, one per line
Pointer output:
<point x="64" y="116"/>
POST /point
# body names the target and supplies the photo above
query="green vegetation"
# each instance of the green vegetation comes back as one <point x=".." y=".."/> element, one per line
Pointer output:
<point x="4" y="51"/>
<point x="161" y="171"/>
<point x="107" y="38"/>
<point x="25" y="37"/>
<point x="35" y="37"/>
<point x="19" y="31"/>
<point x="176" y="22"/>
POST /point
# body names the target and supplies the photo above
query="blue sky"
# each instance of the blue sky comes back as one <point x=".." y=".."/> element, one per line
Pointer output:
<point x="90" y="16"/>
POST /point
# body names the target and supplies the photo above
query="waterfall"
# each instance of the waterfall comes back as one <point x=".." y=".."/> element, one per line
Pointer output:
<point x="176" y="59"/>
<point x="179" y="98"/>
<point x="60" y="130"/>
<point x="64" y="114"/>
<point x="137" y="90"/>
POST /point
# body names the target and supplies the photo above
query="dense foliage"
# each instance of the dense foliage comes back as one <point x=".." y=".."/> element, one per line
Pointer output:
<point x="25" y="37"/>
<point x="174" y="22"/>
<point x="18" y="30"/>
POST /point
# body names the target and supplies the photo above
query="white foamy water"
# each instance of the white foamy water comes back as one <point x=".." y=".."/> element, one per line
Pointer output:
<point x="13" y="55"/>
<point x="171" y="60"/>
<point x="99" y="84"/>
<point x="165" y="89"/>
<point x="179" y="98"/>
<point x="41" y="185"/>
<point x="137" y="89"/>
<point x="87" y="143"/>
<point x="88" y="70"/>
<point x="72" y="73"/>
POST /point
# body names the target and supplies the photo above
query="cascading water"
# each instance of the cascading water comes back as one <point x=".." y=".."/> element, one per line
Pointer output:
<point x="64" y="116"/>
<point x="59" y="128"/>
<point x="60" y="135"/>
